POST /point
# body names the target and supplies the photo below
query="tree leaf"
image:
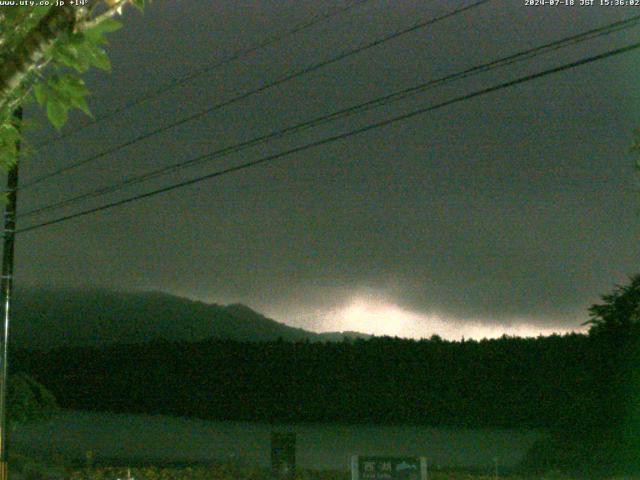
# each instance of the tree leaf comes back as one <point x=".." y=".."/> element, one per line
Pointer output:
<point x="81" y="103"/>
<point x="57" y="113"/>
<point x="69" y="90"/>
<point x="96" y="33"/>
<point x="94" y="55"/>
<point x="69" y="85"/>
<point x="70" y="56"/>
<point x="41" y="93"/>
<point x="100" y="59"/>
<point x="9" y="136"/>
<point x="139" y="4"/>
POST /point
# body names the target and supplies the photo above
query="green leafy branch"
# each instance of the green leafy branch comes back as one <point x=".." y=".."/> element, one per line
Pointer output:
<point x="79" y="51"/>
<point x="44" y="51"/>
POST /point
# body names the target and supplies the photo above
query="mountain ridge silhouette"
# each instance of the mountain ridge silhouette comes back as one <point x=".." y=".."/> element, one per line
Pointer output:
<point x="50" y="318"/>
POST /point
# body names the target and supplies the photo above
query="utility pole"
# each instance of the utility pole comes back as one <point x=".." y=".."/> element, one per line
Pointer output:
<point x="6" y="285"/>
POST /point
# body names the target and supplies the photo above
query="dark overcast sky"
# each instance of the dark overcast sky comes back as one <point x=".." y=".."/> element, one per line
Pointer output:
<point x="508" y="213"/>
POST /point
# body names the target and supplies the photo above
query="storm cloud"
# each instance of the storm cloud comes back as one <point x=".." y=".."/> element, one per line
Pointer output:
<point x="510" y="210"/>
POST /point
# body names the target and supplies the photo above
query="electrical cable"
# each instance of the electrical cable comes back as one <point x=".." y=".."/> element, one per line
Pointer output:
<point x="327" y="140"/>
<point x="151" y="94"/>
<point x="246" y="95"/>
<point x="384" y="100"/>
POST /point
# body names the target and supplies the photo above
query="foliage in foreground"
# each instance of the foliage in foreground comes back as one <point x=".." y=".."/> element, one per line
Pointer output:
<point x="44" y="50"/>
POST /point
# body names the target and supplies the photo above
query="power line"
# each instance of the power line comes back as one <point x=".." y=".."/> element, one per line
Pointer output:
<point x="341" y="136"/>
<point x="393" y="97"/>
<point x="264" y="87"/>
<point x="150" y="94"/>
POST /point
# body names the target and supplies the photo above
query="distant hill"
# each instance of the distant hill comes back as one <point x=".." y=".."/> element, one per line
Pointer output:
<point x="52" y="318"/>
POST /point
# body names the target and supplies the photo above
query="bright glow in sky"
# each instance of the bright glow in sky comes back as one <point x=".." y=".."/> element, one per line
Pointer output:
<point x="373" y="314"/>
<point x="382" y="318"/>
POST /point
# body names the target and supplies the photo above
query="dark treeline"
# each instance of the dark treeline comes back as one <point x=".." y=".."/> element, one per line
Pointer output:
<point x="508" y="382"/>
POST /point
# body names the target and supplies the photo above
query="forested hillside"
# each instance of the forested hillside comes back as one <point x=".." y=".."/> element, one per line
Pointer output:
<point x="505" y="382"/>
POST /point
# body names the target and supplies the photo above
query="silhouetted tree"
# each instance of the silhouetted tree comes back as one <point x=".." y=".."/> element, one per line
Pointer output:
<point x="615" y="328"/>
<point x="601" y="434"/>
<point x="619" y="314"/>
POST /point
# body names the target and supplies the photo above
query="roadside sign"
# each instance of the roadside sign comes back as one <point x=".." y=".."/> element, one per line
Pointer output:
<point x="388" y="468"/>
